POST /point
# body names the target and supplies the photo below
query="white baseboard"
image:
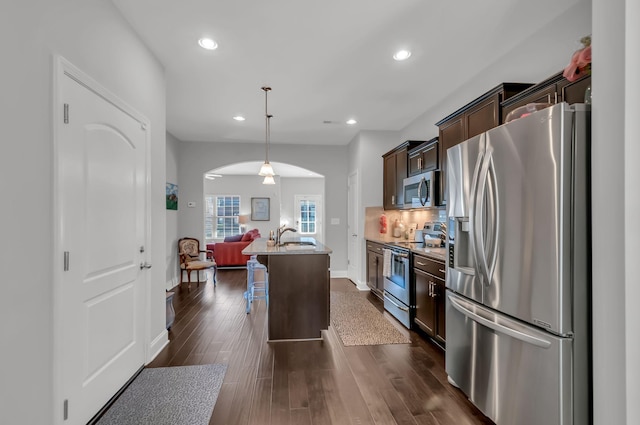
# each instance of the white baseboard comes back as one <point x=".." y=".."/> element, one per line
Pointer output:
<point x="171" y="283"/>
<point x="362" y="286"/>
<point x="339" y="273"/>
<point x="157" y="345"/>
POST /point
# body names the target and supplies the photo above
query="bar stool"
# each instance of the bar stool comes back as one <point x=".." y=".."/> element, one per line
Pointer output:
<point x="257" y="282"/>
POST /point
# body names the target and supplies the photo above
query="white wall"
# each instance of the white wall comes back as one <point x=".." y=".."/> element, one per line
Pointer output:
<point x="615" y="177"/>
<point x="632" y="206"/>
<point x="92" y="36"/>
<point x="365" y="158"/>
<point x="329" y="161"/>
<point x="171" y="242"/>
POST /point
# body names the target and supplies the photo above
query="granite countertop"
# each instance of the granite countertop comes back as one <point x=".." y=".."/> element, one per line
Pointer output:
<point x="439" y="254"/>
<point x="297" y="246"/>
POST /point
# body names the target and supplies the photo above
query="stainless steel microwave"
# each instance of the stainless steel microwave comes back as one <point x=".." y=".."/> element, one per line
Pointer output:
<point x="419" y="190"/>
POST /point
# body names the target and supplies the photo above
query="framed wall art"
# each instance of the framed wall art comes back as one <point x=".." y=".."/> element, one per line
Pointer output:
<point x="260" y="209"/>
<point x="172" y="196"/>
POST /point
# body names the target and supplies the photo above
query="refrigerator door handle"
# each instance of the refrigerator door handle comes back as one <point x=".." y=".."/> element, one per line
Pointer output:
<point x="514" y="333"/>
<point x="491" y="253"/>
<point x="478" y="217"/>
<point x="473" y="207"/>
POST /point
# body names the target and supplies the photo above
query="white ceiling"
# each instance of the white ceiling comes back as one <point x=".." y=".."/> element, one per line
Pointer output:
<point x="327" y="60"/>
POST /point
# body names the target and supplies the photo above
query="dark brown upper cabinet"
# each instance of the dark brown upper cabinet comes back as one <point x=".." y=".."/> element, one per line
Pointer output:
<point x="553" y="90"/>
<point x="395" y="170"/>
<point x="478" y="116"/>
<point x="423" y="157"/>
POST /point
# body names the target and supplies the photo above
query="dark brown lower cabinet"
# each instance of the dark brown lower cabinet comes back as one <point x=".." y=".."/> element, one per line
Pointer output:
<point x="430" y="292"/>
<point x="375" y="280"/>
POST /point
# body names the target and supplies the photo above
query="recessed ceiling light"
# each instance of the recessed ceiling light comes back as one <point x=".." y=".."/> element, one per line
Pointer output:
<point x="401" y="55"/>
<point x="351" y="121"/>
<point x="207" y="43"/>
<point x="239" y="118"/>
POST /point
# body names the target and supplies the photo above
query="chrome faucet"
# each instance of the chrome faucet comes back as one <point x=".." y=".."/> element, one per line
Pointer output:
<point x="281" y="231"/>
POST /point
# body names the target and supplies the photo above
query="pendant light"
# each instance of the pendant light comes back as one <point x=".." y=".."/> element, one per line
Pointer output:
<point x="266" y="169"/>
<point x="268" y="180"/>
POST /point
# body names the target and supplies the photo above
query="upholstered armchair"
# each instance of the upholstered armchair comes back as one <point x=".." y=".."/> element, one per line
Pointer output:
<point x="189" y="252"/>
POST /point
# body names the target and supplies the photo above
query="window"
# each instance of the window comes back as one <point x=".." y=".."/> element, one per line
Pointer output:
<point x="221" y="216"/>
<point x="307" y="223"/>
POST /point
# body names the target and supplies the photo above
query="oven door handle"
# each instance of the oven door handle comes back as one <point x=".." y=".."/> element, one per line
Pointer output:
<point x="403" y="308"/>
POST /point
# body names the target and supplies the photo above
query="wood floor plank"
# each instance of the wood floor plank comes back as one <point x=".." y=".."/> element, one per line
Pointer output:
<point x="298" y="396"/>
<point x="280" y="403"/>
<point x="300" y="417"/>
<point x="261" y="406"/>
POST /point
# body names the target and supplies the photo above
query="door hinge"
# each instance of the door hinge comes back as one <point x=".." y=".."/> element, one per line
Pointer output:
<point x="65" y="410"/>
<point x="66" y="261"/>
<point x="66" y="113"/>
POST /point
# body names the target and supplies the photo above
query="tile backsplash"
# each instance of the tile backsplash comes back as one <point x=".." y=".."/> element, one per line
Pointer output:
<point x="419" y="217"/>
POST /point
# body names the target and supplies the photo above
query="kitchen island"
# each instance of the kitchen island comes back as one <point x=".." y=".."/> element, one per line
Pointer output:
<point x="298" y="287"/>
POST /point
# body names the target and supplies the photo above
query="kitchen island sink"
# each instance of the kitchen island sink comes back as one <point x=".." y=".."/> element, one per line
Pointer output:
<point x="298" y="307"/>
<point x="299" y="243"/>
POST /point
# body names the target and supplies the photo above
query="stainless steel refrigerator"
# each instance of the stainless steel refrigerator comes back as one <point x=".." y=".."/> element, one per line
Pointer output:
<point x="518" y="275"/>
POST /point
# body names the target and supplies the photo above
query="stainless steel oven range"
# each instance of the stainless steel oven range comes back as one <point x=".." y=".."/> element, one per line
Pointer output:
<point x="397" y="293"/>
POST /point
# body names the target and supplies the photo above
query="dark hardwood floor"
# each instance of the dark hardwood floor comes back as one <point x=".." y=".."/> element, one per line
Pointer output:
<point x="312" y="382"/>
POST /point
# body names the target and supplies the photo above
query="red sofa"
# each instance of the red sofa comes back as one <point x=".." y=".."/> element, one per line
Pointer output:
<point x="229" y="252"/>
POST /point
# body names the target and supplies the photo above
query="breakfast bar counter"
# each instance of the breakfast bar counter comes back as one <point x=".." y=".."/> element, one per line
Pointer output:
<point x="298" y="307"/>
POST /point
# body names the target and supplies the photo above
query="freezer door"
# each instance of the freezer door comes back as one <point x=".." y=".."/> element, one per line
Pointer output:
<point x="528" y="201"/>
<point x="463" y="161"/>
<point x="515" y="374"/>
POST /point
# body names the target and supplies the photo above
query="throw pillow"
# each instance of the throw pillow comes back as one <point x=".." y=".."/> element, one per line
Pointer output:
<point x="247" y="237"/>
<point x="234" y="238"/>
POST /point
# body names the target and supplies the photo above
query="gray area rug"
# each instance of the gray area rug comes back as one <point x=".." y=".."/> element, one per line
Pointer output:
<point x="168" y="396"/>
<point x="357" y="322"/>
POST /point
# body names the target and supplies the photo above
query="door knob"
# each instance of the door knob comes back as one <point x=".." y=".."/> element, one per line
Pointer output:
<point x="145" y="266"/>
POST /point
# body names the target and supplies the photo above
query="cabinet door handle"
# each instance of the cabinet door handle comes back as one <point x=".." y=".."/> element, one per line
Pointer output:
<point x="421" y="263"/>
<point x="441" y="271"/>
<point x="393" y="199"/>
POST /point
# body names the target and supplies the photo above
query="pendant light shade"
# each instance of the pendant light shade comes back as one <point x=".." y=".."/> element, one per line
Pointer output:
<point x="267" y="170"/>
<point x="268" y="180"/>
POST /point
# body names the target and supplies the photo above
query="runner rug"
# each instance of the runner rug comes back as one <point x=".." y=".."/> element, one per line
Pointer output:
<point x="357" y="322"/>
<point x="168" y="396"/>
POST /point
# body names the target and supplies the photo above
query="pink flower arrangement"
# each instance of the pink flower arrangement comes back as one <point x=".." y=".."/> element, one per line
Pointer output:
<point x="580" y="61"/>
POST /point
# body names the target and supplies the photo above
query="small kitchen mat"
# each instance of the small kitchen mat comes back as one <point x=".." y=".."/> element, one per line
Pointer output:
<point x="357" y="322"/>
<point x="168" y="396"/>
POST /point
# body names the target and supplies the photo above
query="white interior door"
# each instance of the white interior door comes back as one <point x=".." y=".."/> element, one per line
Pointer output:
<point x="353" y="253"/>
<point x="101" y="209"/>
